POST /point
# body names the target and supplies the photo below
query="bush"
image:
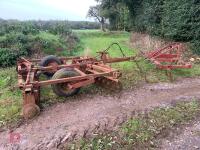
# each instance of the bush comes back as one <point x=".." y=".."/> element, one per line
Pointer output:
<point x="195" y="46"/>
<point x="35" y="38"/>
<point x="9" y="57"/>
<point x="177" y="20"/>
<point x="19" y="44"/>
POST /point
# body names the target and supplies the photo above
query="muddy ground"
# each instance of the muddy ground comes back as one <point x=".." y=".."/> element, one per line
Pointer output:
<point x="87" y="113"/>
<point x="187" y="138"/>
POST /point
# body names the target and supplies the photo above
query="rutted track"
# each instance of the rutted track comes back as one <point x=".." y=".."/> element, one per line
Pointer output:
<point x="87" y="113"/>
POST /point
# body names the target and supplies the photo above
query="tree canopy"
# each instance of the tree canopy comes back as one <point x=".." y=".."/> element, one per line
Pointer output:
<point x="177" y="20"/>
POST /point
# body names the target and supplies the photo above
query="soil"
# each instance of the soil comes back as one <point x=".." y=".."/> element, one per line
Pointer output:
<point x="185" y="139"/>
<point x="87" y="113"/>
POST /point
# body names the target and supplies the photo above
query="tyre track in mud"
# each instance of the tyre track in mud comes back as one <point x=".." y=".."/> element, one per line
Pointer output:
<point x="85" y="114"/>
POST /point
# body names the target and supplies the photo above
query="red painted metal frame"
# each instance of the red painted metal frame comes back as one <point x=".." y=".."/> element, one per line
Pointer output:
<point x="89" y="70"/>
<point x="169" y="57"/>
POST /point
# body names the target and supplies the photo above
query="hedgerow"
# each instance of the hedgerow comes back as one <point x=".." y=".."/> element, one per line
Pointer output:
<point x="177" y="20"/>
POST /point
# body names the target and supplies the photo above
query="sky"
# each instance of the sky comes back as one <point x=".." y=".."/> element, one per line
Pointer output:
<point x="74" y="10"/>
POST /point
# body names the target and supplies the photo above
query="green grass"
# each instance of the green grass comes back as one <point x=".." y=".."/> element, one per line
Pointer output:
<point x="142" y="132"/>
<point x="96" y="41"/>
<point x="91" y="41"/>
<point x="10" y="97"/>
<point x="194" y="72"/>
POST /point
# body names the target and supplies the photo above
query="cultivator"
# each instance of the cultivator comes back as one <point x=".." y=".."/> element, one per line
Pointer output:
<point x="67" y="75"/>
<point x="169" y="57"/>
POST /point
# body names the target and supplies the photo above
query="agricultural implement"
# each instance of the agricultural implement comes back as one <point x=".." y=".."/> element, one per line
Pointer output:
<point x="67" y="75"/>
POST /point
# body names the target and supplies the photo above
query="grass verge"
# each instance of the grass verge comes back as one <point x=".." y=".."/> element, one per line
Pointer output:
<point x="143" y="131"/>
<point x="10" y="97"/>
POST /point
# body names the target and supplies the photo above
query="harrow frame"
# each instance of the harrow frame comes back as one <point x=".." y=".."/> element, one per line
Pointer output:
<point x="90" y="70"/>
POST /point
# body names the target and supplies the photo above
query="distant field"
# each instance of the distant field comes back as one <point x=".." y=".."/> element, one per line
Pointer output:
<point x="86" y="31"/>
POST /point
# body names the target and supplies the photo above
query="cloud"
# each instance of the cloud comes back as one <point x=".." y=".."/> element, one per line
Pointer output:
<point x="45" y="9"/>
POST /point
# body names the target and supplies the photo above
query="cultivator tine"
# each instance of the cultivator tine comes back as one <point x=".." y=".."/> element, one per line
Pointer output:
<point x="168" y="57"/>
<point x="169" y="75"/>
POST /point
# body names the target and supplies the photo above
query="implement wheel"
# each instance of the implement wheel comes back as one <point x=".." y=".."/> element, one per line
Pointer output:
<point x="62" y="89"/>
<point x="50" y="61"/>
<point x="30" y="111"/>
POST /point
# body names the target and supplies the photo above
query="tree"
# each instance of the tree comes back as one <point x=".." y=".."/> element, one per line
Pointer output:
<point x="115" y="11"/>
<point x="95" y="12"/>
<point x="117" y="14"/>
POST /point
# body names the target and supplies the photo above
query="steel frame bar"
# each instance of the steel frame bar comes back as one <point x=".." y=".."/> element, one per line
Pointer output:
<point x="71" y="79"/>
<point x="89" y="70"/>
<point x="168" y="57"/>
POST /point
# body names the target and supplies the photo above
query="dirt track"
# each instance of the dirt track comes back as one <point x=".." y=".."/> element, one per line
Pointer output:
<point x="86" y="113"/>
<point x="187" y="140"/>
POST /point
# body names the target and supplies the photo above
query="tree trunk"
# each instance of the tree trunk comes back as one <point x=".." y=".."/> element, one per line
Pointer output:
<point x="102" y="27"/>
<point x="102" y="24"/>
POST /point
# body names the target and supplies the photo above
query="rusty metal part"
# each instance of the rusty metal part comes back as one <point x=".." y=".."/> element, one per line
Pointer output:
<point x="30" y="111"/>
<point x="90" y="70"/>
<point x="110" y="84"/>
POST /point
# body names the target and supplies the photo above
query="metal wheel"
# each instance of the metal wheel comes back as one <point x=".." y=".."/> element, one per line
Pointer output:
<point x="62" y="89"/>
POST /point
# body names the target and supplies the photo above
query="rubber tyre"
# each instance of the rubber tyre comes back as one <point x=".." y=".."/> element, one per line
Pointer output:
<point x="58" y="88"/>
<point x="47" y="60"/>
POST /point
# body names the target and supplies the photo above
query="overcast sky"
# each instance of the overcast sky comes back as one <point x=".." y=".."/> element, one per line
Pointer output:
<point x="45" y="9"/>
